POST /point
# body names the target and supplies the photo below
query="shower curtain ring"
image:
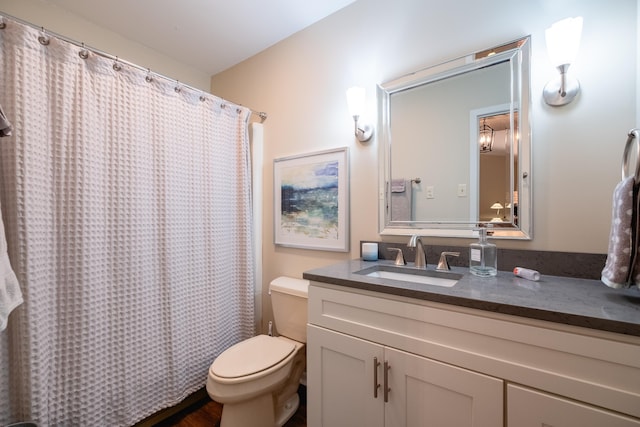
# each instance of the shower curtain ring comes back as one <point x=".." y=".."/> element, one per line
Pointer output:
<point x="42" y="38"/>
<point x="149" y="77"/>
<point x="84" y="53"/>
<point x="3" y="24"/>
<point x="116" y="65"/>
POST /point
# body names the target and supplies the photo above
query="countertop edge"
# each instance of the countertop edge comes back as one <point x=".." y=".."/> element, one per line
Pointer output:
<point x="438" y="295"/>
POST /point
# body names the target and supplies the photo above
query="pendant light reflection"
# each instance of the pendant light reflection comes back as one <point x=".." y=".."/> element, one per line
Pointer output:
<point x="486" y="137"/>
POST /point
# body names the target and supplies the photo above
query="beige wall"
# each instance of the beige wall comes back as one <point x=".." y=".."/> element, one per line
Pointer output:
<point x="301" y="83"/>
<point x="45" y="14"/>
<point x="494" y="171"/>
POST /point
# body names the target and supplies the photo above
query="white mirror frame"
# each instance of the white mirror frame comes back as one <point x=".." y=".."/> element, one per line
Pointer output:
<point x="520" y="58"/>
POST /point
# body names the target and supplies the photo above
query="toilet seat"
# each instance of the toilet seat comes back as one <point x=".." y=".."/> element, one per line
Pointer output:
<point x="251" y="356"/>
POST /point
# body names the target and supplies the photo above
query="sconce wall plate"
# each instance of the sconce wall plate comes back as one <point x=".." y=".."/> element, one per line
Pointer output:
<point x="553" y="95"/>
<point x="364" y="133"/>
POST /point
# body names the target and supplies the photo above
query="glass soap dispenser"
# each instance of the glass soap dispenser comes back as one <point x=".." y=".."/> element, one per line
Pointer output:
<point x="483" y="256"/>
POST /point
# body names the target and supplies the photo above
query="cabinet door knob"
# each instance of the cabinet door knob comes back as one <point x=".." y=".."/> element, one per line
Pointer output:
<point x="376" y="386"/>
<point x="386" y="381"/>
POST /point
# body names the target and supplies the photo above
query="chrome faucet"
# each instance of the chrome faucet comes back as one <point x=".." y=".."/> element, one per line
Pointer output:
<point x="421" y="257"/>
<point x="443" y="264"/>
<point x="399" y="256"/>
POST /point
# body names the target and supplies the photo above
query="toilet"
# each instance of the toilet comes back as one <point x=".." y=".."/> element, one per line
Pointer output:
<point x="257" y="379"/>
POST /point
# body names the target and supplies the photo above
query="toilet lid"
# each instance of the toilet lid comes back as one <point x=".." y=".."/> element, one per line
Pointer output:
<point x="250" y="356"/>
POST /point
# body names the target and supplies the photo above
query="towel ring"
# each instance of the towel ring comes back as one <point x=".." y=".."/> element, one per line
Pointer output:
<point x="633" y="134"/>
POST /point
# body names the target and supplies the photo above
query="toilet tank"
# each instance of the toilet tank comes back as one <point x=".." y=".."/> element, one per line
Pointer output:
<point x="289" y="302"/>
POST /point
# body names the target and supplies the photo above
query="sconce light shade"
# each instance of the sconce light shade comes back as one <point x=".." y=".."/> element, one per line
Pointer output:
<point x="563" y="41"/>
<point x="355" y="101"/>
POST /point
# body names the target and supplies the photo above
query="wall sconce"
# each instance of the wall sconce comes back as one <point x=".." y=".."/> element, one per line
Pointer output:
<point x="355" y="101"/>
<point x="563" y="40"/>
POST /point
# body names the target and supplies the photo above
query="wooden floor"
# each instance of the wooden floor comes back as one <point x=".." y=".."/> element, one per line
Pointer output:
<point x="206" y="413"/>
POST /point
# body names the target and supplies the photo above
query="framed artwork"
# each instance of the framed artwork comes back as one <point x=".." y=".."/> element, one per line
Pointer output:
<point x="311" y="200"/>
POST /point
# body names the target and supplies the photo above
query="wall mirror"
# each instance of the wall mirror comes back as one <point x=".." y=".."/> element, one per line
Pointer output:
<point x="455" y="147"/>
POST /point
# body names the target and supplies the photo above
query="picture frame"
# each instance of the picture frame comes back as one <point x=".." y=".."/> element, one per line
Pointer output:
<point x="311" y="200"/>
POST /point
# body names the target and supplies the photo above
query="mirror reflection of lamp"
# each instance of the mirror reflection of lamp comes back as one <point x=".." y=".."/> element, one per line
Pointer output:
<point x="486" y="137"/>
<point x="497" y="206"/>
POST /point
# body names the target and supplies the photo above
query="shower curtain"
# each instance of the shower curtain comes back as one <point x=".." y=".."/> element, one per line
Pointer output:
<point x="126" y="201"/>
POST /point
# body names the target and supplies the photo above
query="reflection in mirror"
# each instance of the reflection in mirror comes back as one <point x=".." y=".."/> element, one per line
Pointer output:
<point x="498" y="200"/>
<point x="455" y="146"/>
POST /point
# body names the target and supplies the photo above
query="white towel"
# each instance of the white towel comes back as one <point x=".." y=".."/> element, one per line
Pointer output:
<point x="5" y="124"/>
<point x="10" y="294"/>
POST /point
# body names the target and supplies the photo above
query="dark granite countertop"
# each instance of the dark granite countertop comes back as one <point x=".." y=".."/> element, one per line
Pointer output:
<point x="577" y="302"/>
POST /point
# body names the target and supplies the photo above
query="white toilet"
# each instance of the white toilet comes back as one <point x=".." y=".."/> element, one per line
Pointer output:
<point x="257" y="379"/>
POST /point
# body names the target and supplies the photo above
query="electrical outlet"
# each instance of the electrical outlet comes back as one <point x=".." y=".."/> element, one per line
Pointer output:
<point x="462" y="190"/>
<point x="430" y="193"/>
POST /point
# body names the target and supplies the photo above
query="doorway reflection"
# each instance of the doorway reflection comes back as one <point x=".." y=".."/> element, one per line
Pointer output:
<point x="498" y="169"/>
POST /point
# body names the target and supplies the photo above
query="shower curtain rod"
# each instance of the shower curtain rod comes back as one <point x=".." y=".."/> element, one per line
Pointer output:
<point x="43" y="40"/>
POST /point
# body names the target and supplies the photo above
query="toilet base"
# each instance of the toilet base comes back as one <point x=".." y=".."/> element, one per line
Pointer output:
<point x="259" y="412"/>
<point x="288" y="409"/>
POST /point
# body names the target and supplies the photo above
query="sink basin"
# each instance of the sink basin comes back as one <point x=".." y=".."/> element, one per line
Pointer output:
<point x="408" y="274"/>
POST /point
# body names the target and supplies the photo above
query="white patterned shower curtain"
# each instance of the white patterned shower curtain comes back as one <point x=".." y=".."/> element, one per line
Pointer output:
<point x="128" y="215"/>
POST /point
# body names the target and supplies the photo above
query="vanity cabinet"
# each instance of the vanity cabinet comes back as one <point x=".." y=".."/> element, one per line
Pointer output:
<point x="532" y="408"/>
<point x="457" y="366"/>
<point x="361" y="383"/>
<point x="343" y="378"/>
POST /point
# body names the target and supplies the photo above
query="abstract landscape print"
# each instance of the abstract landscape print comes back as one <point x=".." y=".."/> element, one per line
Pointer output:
<point x="311" y="200"/>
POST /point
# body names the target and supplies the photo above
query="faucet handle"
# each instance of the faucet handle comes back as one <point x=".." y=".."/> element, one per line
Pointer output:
<point x="399" y="257"/>
<point x="443" y="264"/>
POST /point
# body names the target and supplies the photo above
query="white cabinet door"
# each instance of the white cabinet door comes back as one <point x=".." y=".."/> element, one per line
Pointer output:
<point x="530" y="408"/>
<point x="340" y="380"/>
<point x="346" y="387"/>
<point x="427" y="393"/>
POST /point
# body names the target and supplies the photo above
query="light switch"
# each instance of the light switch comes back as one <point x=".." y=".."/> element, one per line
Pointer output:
<point x="462" y="190"/>
<point x="430" y="193"/>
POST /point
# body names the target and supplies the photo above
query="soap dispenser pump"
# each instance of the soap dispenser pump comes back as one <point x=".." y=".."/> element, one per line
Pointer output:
<point x="483" y="256"/>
